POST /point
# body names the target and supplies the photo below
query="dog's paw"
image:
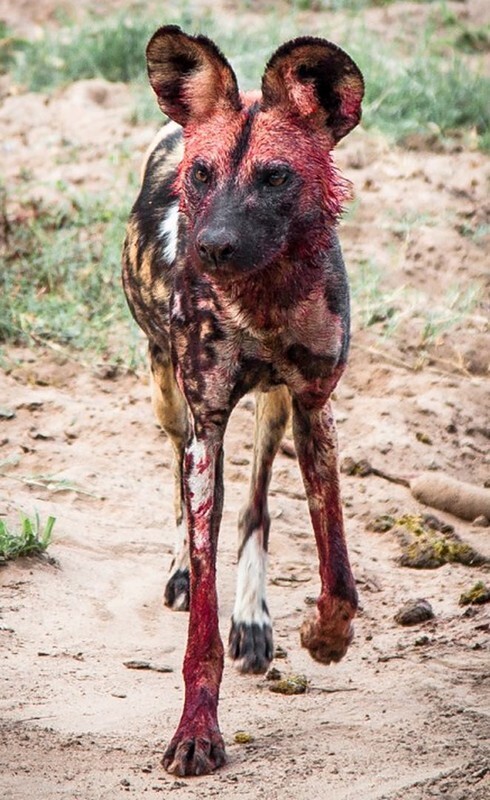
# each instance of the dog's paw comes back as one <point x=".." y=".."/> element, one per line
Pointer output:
<point x="324" y="646"/>
<point x="328" y="634"/>
<point x="250" y="646"/>
<point x="194" y="755"/>
<point x="177" y="592"/>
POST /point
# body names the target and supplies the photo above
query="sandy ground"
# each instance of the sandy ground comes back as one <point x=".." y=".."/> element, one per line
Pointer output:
<point x="406" y="714"/>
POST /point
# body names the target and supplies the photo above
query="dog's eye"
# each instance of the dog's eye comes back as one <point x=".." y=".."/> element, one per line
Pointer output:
<point x="276" y="177"/>
<point x="200" y="174"/>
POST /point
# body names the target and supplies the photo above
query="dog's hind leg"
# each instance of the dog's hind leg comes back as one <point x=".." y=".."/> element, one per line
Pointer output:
<point x="171" y="412"/>
<point x="250" y="641"/>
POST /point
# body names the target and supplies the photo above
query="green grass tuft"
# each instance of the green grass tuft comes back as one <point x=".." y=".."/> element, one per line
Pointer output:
<point x="424" y="93"/>
<point x="473" y="40"/>
<point x="371" y="302"/>
<point x="115" y="51"/>
<point x="61" y="277"/>
<point x="388" y="310"/>
<point x="31" y="539"/>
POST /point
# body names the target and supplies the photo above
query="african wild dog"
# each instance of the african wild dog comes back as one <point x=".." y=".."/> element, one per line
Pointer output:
<point x="233" y="269"/>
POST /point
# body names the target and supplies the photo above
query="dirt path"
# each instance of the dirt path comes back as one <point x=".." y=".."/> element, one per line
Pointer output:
<point x="404" y="715"/>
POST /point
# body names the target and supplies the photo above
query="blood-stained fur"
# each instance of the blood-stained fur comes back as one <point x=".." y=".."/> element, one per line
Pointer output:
<point x="232" y="268"/>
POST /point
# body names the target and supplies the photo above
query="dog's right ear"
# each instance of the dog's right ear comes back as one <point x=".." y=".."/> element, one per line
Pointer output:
<point x="316" y="80"/>
<point x="190" y="76"/>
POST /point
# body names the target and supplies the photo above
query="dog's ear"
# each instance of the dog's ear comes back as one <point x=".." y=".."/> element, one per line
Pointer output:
<point x="190" y="76"/>
<point x="316" y="80"/>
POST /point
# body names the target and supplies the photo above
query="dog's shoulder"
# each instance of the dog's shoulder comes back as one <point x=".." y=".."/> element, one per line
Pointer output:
<point x="151" y="235"/>
<point x="164" y="152"/>
<point x="154" y="217"/>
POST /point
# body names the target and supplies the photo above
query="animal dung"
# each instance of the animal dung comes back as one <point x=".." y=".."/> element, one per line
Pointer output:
<point x="242" y="737"/>
<point x="425" y="545"/>
<point x="292" y="684"/>
<point x="427" y="542"/>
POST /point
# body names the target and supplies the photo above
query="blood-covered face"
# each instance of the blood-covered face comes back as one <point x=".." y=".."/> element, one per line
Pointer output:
<point x="257" y="183"/>
<point x="257" y="186"/>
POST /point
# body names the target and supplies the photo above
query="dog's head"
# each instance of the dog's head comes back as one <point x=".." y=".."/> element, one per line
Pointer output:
<point x="257" y="181"/>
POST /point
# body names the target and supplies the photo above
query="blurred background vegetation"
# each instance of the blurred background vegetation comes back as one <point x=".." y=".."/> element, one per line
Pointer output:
<point x="425" y="78"/>
<point x="416" y="81"/>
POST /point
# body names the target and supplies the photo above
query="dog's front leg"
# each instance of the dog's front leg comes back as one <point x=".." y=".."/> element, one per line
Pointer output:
<point x="328" y="634"/>
<point x="197" y="747"/>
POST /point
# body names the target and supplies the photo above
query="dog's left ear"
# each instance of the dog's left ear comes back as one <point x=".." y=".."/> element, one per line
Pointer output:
<point x="316" y="80"/>
<point x="190" y="76"/>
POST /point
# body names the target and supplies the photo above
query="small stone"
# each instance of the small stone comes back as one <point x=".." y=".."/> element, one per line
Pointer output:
<point x="381" y="524"/>
<point x="239" y="461"/>
<point x="280" y="652"/>
<point x="287" y="449"/>
<point x="34" y="433"/>
<point x="32" y="405"/>
<point x="137" y="664"/>
<point x="107" y="372"/>
<point x="477" y="595"/>
<point x="310" y="600"/>
<point x="360" y="468"/>
<point x="413" y="612"/>
<point x="481" y="522"/>
<point x="273" y="674"/>
<point x="436" y="524"/>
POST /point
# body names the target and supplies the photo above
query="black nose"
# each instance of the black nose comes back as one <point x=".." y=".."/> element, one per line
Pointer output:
<point x="216" y="247"/>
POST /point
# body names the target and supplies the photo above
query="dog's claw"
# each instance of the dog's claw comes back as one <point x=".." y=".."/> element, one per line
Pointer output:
<point x="250" y="646"/>
<point x="197" y="755"/>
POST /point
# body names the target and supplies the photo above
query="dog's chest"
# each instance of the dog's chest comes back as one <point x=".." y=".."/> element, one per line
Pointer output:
<point x="271" y="332"/>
